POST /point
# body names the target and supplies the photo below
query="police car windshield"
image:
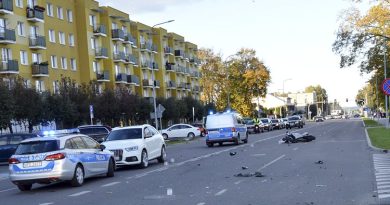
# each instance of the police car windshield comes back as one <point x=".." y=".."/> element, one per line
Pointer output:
<point x="35" y="147"/>
<point x="264" y="120"/>
<point x="125" y="134"/>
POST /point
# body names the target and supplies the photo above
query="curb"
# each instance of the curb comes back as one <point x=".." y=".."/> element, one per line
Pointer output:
<point x="369" y="141"/>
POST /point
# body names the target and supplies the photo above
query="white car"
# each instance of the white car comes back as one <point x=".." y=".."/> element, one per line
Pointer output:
<point x="180" y="131"/>
<point x="136" y="145"/>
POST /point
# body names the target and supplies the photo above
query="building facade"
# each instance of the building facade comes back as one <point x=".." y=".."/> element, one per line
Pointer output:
<point x="44" y="41"/>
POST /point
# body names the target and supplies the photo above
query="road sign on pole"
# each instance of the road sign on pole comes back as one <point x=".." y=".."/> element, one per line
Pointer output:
<point x="386" y="86"/>
<point x="91" y="113"/>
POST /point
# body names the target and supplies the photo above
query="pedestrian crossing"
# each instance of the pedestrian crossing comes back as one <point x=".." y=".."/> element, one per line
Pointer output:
<point x="382" y="175"/>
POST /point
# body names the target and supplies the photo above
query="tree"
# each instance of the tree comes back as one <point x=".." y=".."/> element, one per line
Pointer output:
<point x="248" y="78"/>
<point x="322" y="98"/>
<point x="6" y="107"/>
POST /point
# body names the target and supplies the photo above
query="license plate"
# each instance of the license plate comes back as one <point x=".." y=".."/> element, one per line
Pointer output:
<point x="32" y="164"/>
<point x="213" y="132"/>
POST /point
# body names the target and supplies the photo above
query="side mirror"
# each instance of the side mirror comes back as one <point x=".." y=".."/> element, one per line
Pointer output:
<point x="102" y="147"/>
<point x="148" y="135"/>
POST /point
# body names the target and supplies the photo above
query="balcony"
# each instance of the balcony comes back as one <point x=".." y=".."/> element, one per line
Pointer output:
<point x="179" y="54"/>
<point x="148" y="65"/>
<point x="195" y="74"/>
<point x="154" y="48"/>
<point x="37" y="42"/>
<point x="103" y="76"/>
<point x="171" y="85"/>
<point x="155" y="66"/>
<point x="196" y="88"/>
<point x="117" y="35"/>
<point x="187" y="71"/>
<point x="157" y="83"/>
<point x="131" y="59"/>
<point x="7" y="36"/>
<point x="133" y="79"/>
<point x="119" y="57"/>
<point x="147" y="83"/>
<point x="146" y="47"/>
<point x="180" y="69"/>
<point x="35" y="14"/>
<point x="40" y="70"/>
<point x="168" y="50"/>
<point x="121" y="78"/>
<point x="129" y="39"/>
<point x="9" y="67"/>
<point x="101" y="53"/>
<point x="170" y="67"/>
<point x="181" y="85"/>
<point x="100" y="30"/>
<point x="188" y="86"/>
<point x="6" y="7"/>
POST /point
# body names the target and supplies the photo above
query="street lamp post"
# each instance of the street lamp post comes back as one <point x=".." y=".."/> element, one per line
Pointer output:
<point x="386" y="97"/>
<point x="227" y="80"/>
<point x="284" y="82"/>
<point x="154" y="81"/>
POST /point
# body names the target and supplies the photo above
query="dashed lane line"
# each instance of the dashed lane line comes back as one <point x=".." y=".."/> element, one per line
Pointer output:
<point x="110" y="184"/>
<point x="79" y="193"/>
<point x="271" y="162"/>
<point x="221" y="192"/>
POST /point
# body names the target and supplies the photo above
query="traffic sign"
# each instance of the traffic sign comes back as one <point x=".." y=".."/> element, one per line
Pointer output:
<point x="386" y="86"/>
<point x="91" y="111"/>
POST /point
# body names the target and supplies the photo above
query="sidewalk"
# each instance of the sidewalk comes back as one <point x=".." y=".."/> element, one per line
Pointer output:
<point x="382" y="121"/>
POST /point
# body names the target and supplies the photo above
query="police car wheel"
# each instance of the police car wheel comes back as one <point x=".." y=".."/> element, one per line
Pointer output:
<point x="163" y="155"/>
<point x="24" y="187"/>
<point x="165" y="136"/>
<point x="144" y="159"/>
<point x="78" y="176"/>
<point x="237" y="140"/>
<point x="210" y="144"/>
<point x="111" y="168"/>
<point x="246" y="139"/>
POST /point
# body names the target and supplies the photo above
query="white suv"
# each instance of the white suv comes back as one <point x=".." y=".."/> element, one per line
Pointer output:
<point x="136" y="145"/>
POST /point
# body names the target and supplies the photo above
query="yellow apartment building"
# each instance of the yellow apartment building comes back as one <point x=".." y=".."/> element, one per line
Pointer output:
<point x="45" y="40"/>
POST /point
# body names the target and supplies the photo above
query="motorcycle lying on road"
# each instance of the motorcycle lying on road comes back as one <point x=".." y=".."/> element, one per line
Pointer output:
<point x="294" y="137"/>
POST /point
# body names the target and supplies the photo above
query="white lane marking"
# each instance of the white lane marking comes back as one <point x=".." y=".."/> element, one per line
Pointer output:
<point x="141" y="175"/>
<point x="381" y="180"/>
<point x="271" y="162"/>
<point x="79" y="193"/>
<point x="382" y="183"/>
<point x="201" y="203"/>
<point x="238" y="182"/>
<point x="221" y="192"/>
<point x="110" y="184"/>
<point x="295" y="149"/>
<point x="48" y="203"/>
<point x="7" y="190"/>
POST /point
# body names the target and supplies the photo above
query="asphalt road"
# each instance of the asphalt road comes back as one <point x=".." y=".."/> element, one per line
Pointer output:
<point x="198" y="175"/>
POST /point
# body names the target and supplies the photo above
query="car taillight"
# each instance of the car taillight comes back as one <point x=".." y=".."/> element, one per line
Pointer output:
<point x="57" y="156"/>
<point x="233" y="129"/>
<point x="13" y="161"/>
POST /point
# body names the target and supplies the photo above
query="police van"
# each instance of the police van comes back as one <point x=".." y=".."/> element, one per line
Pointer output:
<point x="59" y="156"/>
<point x="225" y="127"/>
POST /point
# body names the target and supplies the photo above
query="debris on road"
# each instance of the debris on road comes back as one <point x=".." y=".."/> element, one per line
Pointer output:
<point x="294" y="137"/>
<point x="232" y="153"/>
<point x="244" y="167"/>
<point x="319" y="162"/>
<point x="385" y="150"/>
<point x="256" y="174"/>
<point x="320" y="185"/>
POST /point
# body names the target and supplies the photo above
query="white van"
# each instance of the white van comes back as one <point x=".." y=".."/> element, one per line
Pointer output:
<point x="225" y="127"/>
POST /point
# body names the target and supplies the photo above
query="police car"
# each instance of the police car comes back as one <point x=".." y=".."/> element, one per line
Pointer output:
<point x="59" y="156"/>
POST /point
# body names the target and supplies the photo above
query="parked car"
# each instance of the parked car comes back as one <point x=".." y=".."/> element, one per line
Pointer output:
<point x="136" y="145"/>
<point x="318" y="119"/>
<point x="9" y="143"/>
<point x="97" y="132"/>
<point x="276" y="124"/>
<point x="225" y="127"/>
<point x="201" y="127"/>
<point x="66" y="157"/>
<point x="281" y="123"/>
<point x="267" y="124"/>
<point x="180" y="131"/>
<point x="285" y="122"/>
<point x="294" y="121"/>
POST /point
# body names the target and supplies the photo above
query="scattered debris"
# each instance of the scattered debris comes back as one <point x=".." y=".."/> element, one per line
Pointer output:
<point x="374" y="195"/>
<point x="385" y="150"/>
<point x="256" y="174"/>
<point x="319" y="162"/>
<point x="172" y="160"/>
<point x="198" y="164"/>
<point x="232" y="153"/>
<point x="320" y="185"/>
<point x="244" y="167"/>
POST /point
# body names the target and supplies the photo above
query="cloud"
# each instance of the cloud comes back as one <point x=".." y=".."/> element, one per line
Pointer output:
<point x="144" y="6"/>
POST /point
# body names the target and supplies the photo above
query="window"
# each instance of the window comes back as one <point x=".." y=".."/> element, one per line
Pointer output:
<point x="56" y="87"/>
<point x="91" y="144"/>
<point x="40" y="85"/>
<point x="19" y="3"/>
<point x="32" y="3"/>
<point x="114" y="25"/>
<point x="63" y="63"/>
<point x="36" y="58"/>
<point x="27" y="83"/>
<point x="60" y="13"/>
<point x="95" y="66"/>
<point x="78" y="143"/>
<point x="92" y="20"/>
<point x="21" y="31"/>
<point x="52" y="36"/>
<point x="69" y="15"/>
<point x="6" y="54"/>
<point x="93" y="43"/>
<point x="116" y="70"/>
<point x="49" y="8"/>
<point x="71" y="39"/>
<point x="73" y="64"/>
<point x="23" y="58"/>
<point x="61" y="37"/>
<point x="53" y="60"/>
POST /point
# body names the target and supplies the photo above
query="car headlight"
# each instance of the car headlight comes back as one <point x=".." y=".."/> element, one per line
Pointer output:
<point x="133" y="148"/>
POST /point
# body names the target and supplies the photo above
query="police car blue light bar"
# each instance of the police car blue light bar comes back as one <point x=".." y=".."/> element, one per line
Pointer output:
<point x="47" y="133"/>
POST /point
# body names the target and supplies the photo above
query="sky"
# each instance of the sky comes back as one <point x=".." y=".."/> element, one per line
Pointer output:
<point x="293" y="38"/>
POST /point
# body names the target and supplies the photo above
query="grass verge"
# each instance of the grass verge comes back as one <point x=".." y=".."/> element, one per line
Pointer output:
<point x="371" y="123"/>
<point x="380" y="137"/>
